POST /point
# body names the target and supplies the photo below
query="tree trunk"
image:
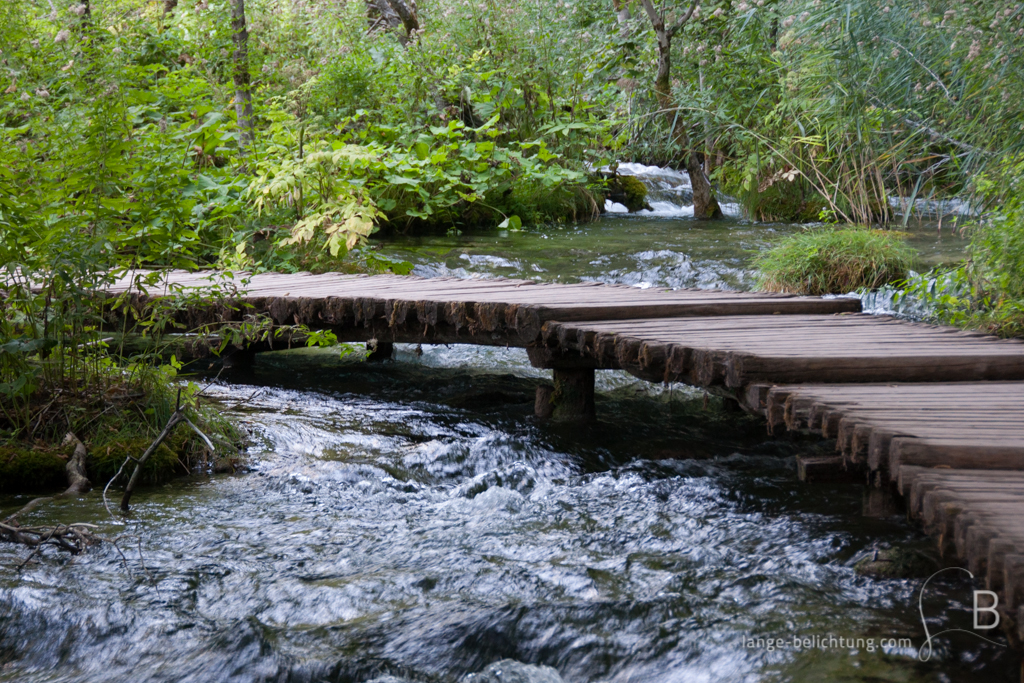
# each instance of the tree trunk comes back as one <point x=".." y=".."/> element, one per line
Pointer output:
<point x="395" y="13"/>
<point x="243" y="97"/>
<point x="380" y="10"/>
<point x="169" y="6"/>
<point x="705" y="206"/>
<point x="407" y="13"/>
<point x="622" y="15"/>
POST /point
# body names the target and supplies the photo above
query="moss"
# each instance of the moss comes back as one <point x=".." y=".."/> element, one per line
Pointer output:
<point x="635" y="191"/>
<point x="168" y="461"/>
<point x="628" y="191"/>
<point x="534" y="203"/>
<point x="31" y="469"/>
<point x="115" y="414"/>
<point x="835" y="261"/>
<point x="562" y="204"/>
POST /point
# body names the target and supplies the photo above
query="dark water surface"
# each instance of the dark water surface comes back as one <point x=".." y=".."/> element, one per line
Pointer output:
<point x="412" y="519"/>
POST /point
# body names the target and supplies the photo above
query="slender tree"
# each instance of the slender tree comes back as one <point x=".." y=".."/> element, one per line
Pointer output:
<point x="705" y="206"/>
<point x="243" y="96"/>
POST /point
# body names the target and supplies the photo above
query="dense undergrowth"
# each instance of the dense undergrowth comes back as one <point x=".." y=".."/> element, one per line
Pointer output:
<point x="120" y="412"/>
<point x="987" y="291"/>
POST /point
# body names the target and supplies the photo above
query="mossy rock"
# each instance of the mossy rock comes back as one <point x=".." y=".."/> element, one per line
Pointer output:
<point x="536" y="204"/>
<point x="31" y="470"/>
<point x="628" y="191"/>
<point x="783" y="201"/>
<point x="897" y="563"/>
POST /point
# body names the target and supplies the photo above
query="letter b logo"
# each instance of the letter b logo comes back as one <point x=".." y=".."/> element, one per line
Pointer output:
<point x="991" y="608"/>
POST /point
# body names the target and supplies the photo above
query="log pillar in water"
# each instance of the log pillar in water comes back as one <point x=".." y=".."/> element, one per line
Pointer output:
<point x="542" y="405"/>
<point x="880" y="502"/>
<point x="380" y="350"/>
<point x="571" y="399"/>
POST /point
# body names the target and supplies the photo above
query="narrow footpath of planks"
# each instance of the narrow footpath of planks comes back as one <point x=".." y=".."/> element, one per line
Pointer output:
<point x="976" y="516"/>
<point x="927" y="411"/>
<point x="395" y="308"/>
<point x="953" y="451"/>
<point x="880" y="427"/>
<point x="739" y="350"/>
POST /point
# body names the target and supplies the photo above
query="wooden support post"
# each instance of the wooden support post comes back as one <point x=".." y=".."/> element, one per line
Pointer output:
<point x="814" y="469"/>
<point x="542" y="405"/>
<point x="573" y="396"/>
<point x="379" y="351"/>
<point x="880" y="503"/>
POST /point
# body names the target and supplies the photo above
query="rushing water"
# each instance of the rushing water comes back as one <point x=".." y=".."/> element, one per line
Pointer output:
<point x="412" y="519"/>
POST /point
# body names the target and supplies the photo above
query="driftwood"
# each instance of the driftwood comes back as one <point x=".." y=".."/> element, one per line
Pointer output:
<point x="78" y="483"/>
<point x="74" y="538"/>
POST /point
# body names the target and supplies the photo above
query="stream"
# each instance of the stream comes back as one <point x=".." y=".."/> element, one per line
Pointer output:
<point x="410" y="521"/>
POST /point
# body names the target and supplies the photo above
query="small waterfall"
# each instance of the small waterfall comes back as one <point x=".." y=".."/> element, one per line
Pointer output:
<point x="933" y="209"/>
<point x="669" y="192"/>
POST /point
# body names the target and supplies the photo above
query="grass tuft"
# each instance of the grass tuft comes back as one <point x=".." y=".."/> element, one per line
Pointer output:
<point x="834" y="261"/>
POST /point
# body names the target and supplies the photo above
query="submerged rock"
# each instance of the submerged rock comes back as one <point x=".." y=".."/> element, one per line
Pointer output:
<point x="896" y="563"/>
<point x="511" y="671"/>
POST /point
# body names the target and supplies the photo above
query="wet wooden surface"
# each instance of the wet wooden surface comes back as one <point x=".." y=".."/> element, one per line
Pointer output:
<point x="441" y="310"/>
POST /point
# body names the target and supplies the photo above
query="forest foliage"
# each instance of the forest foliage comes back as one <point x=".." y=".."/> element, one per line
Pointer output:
<point x="122" y="146"/>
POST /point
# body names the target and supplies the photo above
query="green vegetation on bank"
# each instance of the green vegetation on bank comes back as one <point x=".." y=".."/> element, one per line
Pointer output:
<point x="835" y="261"/>
<point x="114" y="410"/>
<point x="987" y="291"/>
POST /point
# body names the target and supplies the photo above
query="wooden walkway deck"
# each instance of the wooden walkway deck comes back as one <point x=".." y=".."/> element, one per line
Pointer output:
<point x="451" y="310"/>
<point x="935" y="414"/>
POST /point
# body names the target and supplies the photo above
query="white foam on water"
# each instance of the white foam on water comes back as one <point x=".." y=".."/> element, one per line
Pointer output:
<point x="667" y="210"/>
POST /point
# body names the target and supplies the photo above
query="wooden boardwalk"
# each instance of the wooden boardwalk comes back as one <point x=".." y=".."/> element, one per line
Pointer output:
<point x="932" y="413"/>
<point x="452" y="310"/>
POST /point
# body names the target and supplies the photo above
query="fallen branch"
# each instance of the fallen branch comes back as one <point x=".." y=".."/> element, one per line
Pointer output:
<point x="178" y="416"/>
<point x="74" y="538"/>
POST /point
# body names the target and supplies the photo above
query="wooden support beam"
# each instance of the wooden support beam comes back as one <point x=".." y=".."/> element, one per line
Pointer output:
<point x="542" y="405"/>
<point x="815" y="469"/>
<point x="573" y="397"/>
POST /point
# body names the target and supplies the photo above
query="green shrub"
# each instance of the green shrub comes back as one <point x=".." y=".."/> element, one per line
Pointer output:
<point x="997" y="251"/>
<point x="792" y="201"/>
<point x="986" y="292"/>
<point x="344" y="86"/>
<point x="828" y="261"/>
